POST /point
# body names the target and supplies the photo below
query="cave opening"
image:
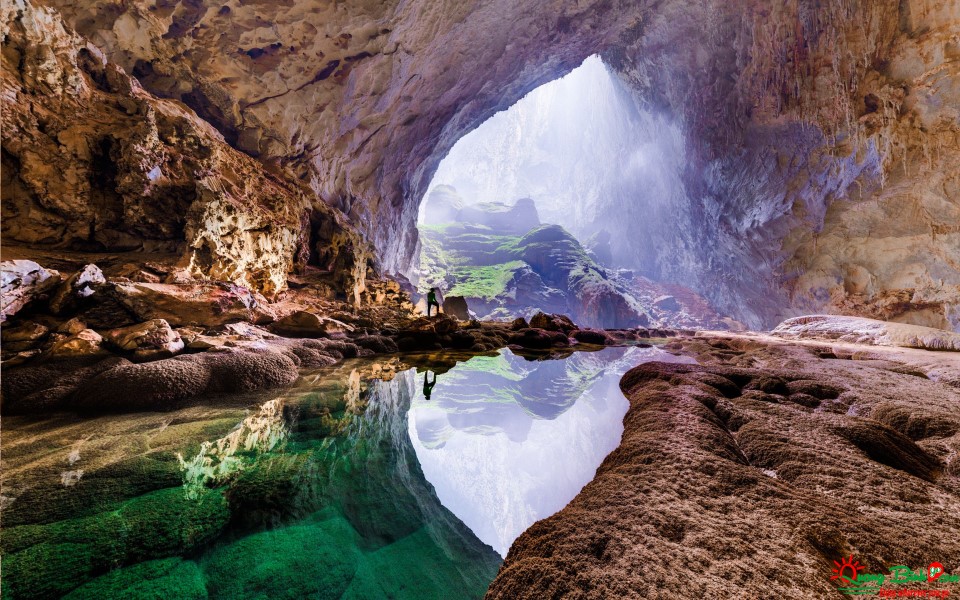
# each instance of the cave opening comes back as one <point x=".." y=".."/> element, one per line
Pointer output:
<point x="555" y="205"/>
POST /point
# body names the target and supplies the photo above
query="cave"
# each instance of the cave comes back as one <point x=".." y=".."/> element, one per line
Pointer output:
<point x="696" y="333"/>
<point x="578" y="155"/>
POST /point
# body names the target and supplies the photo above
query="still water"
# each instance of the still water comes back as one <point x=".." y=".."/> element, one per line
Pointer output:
<point x="368" y="480"/>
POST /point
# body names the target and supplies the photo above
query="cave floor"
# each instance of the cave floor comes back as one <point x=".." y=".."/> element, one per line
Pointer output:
<point x="749" y="474"/>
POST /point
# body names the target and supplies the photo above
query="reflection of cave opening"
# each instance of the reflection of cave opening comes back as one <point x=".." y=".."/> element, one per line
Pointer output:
<point x="556" y="204"/>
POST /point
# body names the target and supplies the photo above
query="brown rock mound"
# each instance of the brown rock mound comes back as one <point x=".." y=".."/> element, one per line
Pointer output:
<point x="724" y="487"/>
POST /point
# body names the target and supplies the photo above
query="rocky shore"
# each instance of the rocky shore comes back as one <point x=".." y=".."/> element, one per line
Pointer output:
<point x="749" y="474"/>
<point x="126" y="340"/>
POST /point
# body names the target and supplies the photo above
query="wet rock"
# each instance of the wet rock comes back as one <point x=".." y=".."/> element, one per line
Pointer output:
<point x="86" y="342"/>
<point x="592" y="336"/>
<point x="769" y="385"/>
<point x="304" y="323"/>
<point x="21" y="282"/>
<point x="552" y="322"/>
<point x="753" y="468"/>
<point x="890" y="447"/>
<point x="78" y="286"/>
<point x="20" y="358"/>
<point x="165" y="384"/>
<point x="456" y="307"/>
<point x="378" y="343"/>
<point x="147" y="340"/>
<point x="539" y="339"/>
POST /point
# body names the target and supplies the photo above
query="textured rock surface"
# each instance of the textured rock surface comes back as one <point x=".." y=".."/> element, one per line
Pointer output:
<point x="78" y="286"/>
<point x="92" y="161"/>
<point x="819" y="135"/>
<point x="750" y="474"/>
<point x="867" y="331"/>
<point x="23" y="281"/>
<point x="150" y="339"/>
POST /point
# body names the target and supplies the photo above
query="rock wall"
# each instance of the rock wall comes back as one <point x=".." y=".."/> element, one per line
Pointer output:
<point x="820" y="135"/>
<point x="92" y="162"/>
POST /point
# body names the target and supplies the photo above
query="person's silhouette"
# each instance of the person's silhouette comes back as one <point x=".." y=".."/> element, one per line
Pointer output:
<point x="427" y="384"/>
<point x="432" y="300"/>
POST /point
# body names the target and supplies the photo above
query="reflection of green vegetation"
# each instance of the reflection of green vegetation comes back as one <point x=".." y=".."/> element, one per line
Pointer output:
<point x="49" y="560"/>
<point x="316" y="559"/>
<point x="494" y="365"/>
<point x="328" y="501"/>
<point x="155" y="579"/>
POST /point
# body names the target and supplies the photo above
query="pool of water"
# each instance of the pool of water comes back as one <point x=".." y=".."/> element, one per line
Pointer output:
<point x="406" y="477"/>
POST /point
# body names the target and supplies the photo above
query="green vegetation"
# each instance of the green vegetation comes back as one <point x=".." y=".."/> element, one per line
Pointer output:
<point x="484" y="282"/>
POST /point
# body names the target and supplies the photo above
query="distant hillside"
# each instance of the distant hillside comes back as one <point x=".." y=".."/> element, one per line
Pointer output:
<point x="507" y="264"/>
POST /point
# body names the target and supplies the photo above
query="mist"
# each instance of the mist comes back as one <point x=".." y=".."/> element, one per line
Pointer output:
<point x="588" y="156"/>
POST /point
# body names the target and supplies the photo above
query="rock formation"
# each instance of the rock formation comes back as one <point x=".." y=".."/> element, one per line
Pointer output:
<point x="819" y="136"/>
<point x="506" y="264"/>
<point x="751" y="473"/>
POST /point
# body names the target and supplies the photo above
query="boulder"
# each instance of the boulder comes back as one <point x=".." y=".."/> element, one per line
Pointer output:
<point x="28" y="331"/>
<point x="198" y="303"/>
<point x="539" y="339"/>
<point x="456" y="307"/>
<point x="303" y="323"/>
<point x="78" y="286"/>
<point x="592" y="336"/>
<point x="150" y="339"/>
<point x="519" y="323"/>
<point x="72" y="327"/>
<point x="552" y="322"/>
<point x="85" y="343"/>
<point x="21" y="282"/>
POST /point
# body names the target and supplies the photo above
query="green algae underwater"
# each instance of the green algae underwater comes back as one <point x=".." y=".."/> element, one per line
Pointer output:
<point x="315" y="494"/>
<point x="351" y="484"/>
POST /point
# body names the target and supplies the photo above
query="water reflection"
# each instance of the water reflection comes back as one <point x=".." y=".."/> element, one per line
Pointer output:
<point x="217" y="460"/>
<point x="506" y="441"/>
<point x="326" y="489"/>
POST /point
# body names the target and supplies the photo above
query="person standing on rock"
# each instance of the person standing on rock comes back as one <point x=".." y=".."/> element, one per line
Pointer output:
<point x="432" y="300"/>
<point x="428" y="385"/>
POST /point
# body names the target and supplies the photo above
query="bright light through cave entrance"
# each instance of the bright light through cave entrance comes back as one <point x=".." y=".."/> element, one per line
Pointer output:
<point x="555" y="205"/>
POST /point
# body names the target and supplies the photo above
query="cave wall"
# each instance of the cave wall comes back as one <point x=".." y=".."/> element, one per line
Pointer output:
<point x="822" y="136"/>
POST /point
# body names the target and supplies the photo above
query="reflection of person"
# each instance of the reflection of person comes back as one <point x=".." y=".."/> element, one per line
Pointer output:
<point x="427" y="384"/>
<point x="432" y="300"/>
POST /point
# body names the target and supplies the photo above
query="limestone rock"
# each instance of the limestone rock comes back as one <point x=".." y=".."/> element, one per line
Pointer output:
<point x="867" y="331"/>
<point x="93" y="161"/>
<point x="552" y="322"/>
<point x="195" y="304"/>
<point x="709" y="467"/>
<point x="456" y="307"/>
<point x="28" y="331"/>
<point x="72" y="327"/>
<point x="822" y="148"/>
<point x="592" y="336"/>
<point x="78" y="286"/>
<point x="85" y="343"/>
<point x="23" y="337"/>
<point x="304" y="323"/>
<point x="22" y="282"/>
<point x="147" y="340"/>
